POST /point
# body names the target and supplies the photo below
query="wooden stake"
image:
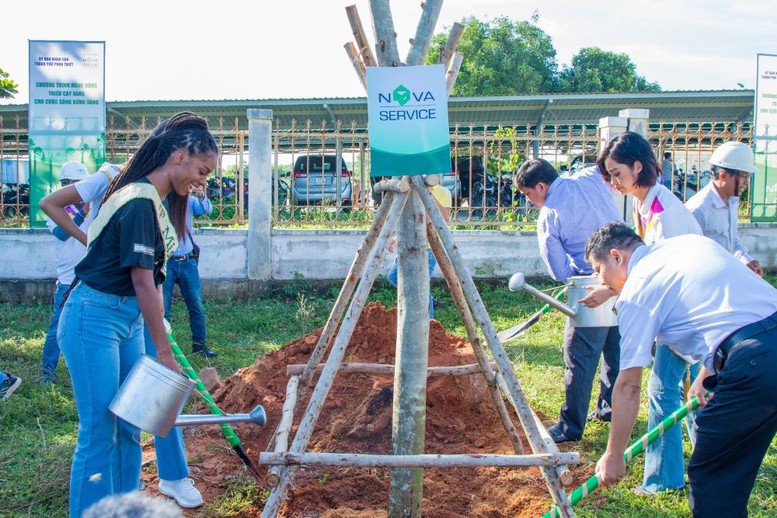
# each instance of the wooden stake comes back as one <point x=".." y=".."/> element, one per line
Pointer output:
<point x="446" y="267"/>
<point x="362" y="44"/>
<point x="354" y="274"/>
<point x="412" y="357"/>
<point x="380" y="369"/>
<point x="358" y="66"/>
<point x="284" y="427"/>
<point x="453" y="72"/>
<point x="563" y="472"/>
<point x="450" y="45"/>
<point x="484" y="320"/>
<point x="340" y="305"/>
<point x="309" y="418"/>
<point x="416" y="461"/>
<point x="392" y="184"/>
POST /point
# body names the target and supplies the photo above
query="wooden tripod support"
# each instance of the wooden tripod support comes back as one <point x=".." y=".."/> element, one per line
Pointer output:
<point x="415" y="214"/>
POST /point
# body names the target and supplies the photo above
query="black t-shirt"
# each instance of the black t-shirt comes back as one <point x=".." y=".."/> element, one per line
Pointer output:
<point x="131" y="238"/>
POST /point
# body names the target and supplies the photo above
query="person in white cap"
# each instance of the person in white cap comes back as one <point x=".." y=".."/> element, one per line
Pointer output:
<point x="68" y="252"/>
<point x="716" y="206"/>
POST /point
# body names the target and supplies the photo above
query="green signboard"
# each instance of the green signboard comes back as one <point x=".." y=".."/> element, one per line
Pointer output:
<point x="764" y="182"/>
<point x="408" y="120"/>
<point x="66" y="113"/>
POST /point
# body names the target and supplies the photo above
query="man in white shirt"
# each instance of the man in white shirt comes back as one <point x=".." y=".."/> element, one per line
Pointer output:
<point x="719" y="314"/>
<point x="716" y="206"/>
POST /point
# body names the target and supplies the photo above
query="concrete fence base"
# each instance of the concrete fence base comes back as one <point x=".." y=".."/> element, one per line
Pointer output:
<point x="28" y="267"/>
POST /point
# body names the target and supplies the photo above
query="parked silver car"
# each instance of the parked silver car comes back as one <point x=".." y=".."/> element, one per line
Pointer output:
<point x="315" y="179"/>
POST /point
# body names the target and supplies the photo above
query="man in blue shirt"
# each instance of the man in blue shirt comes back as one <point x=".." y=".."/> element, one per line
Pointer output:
<point x="571" y="210"/>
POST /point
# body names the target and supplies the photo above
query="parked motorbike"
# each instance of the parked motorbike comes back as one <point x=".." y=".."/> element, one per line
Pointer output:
<point x="491" y="193"/>
<point x="485" y="192"/>
<point x="16" y="200"/>
<point x="223" y="187"/>
<point x="684" y="186"/>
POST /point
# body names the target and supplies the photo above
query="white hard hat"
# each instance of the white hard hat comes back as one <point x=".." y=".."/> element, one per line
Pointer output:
<point x="734" y="156"/>
<point x="73" y="171"/>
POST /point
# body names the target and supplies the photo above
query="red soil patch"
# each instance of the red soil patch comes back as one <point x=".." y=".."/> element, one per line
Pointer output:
<point x="356" y="418"/>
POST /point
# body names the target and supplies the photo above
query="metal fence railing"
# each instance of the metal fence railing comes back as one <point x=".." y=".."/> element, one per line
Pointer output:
<point x="321" y="174"/>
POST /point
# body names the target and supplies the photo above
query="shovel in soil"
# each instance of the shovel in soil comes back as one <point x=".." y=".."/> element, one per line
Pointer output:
<point x="229" y="433"/>
<point x="632" y="451"/>
<point x="516" y="331"/>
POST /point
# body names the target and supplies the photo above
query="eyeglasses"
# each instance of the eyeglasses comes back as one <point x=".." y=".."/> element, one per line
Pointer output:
<point x="742" y="174"/>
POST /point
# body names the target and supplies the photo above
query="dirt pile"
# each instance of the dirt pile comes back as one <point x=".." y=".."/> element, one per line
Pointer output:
<point x="356" y="418"/>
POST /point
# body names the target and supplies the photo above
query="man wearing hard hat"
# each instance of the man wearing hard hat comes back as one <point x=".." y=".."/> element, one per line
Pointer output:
<point x="716" y="206"/>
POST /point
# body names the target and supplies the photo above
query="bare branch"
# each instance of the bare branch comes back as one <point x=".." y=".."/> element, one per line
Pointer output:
<point x="450" y="46"/>
<point x="423" y="35"/>
<point x="385" y="37"/>
<point x="453" y="72"/>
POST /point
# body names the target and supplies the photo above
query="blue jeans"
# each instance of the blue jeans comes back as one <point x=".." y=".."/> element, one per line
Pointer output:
<point x="664" y="463"/>
<point x="186" y="275"/>
<point x="392" y="277"/>
<point x="170" y="450"/>
<point x="3" y="375"/>
<point x="50" y="346"/>
<point x="101" y="337"/>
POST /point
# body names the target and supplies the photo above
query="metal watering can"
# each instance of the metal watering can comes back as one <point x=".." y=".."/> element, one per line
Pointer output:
<point x="582" y="316"/>
<point x="152" y="397"/>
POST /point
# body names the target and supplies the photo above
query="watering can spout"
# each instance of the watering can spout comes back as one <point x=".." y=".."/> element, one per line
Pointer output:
<point x="257" y="416"/>
<point x="518" y="282"/>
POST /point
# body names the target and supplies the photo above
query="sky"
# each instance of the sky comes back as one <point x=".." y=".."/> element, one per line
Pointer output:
<point x="288" y="49"/>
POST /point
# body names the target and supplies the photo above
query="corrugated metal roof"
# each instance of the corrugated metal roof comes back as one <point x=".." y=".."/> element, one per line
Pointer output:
<point x="680" y="106"/>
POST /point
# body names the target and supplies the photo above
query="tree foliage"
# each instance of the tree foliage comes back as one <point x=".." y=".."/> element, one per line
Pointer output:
<point x="8" y="87"/>
<point x="501" y="57"/>
<point x="595" y="70"/>
<point x="505" y="57"/>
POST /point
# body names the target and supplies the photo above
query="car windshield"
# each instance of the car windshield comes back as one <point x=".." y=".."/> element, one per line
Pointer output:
<point x="318" y="164"/>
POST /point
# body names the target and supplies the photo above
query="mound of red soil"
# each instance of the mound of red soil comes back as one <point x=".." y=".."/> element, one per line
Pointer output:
<point x="356" y="418"/>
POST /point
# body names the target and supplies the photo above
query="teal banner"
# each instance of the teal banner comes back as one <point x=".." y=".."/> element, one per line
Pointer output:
<point x="408" y="121"/>
<point x="764" y="182"/>
<point x="66" y="113"/>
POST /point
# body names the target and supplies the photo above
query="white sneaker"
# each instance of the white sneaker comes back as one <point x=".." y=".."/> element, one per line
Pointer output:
<point x="183" y="491"/>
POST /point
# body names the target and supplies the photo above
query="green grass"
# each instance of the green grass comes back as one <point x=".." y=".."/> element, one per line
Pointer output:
<point x="38" y="425"/>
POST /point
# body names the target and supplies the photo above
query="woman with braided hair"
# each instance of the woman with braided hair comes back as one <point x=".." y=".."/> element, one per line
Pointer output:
<point x="118" y="287"/>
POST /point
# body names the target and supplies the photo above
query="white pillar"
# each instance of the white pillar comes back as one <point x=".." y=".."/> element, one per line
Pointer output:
<point x="637" y="120"/>
<point x="610" y="127"/>
<point x="258" y="247"/>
